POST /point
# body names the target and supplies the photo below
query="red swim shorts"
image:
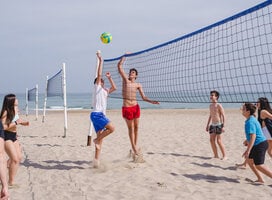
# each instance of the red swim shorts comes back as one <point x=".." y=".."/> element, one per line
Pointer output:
<point x="130" y="113"/>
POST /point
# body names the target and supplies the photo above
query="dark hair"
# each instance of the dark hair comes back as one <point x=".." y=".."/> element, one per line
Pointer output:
<point x="135" y="70"/>
<point x="250" y="107"/>
<point x="264" y="104"/>
<point x="8" y="106"/>
<point x="216" y="93"/>
<point x="96" y="80"/>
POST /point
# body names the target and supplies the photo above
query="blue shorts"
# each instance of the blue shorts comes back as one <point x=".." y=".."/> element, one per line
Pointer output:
<point x="99" y="120"/>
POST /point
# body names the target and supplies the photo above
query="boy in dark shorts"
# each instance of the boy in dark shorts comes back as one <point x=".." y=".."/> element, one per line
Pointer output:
<point x="256" y="143"/>
<point x="215" y="124"/>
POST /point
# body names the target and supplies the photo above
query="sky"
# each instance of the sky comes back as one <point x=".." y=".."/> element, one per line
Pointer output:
<point x="38" y="36"/>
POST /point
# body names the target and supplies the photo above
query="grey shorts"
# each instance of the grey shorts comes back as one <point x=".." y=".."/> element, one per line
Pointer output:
<point x="217" y="129"/>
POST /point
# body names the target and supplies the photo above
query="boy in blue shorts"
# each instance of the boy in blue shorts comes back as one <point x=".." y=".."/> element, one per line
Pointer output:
<point x="102" y="125"/>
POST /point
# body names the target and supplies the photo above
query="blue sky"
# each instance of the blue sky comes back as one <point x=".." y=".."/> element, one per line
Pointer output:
<point x="37" y="36"/>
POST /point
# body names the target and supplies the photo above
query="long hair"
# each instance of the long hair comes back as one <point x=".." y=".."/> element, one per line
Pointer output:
<point x="264" y="105"/>
<point x="8" y="106"/>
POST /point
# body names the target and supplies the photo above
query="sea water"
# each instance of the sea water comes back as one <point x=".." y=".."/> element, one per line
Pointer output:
<point x="78" y="101"/>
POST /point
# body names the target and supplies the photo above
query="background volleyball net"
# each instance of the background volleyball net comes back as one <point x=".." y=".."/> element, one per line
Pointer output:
<point x="56" y="87"/>
<point x="32" y="95"/>
<point x="233" y="56"/>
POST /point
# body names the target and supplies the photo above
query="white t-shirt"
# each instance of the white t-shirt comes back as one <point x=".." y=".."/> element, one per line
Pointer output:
<point x="100" y="96"/>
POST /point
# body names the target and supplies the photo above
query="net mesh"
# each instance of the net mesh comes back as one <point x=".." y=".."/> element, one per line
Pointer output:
<point x="31" y="94"/>
<point x="232" y="56"/>
<point x="54" y="85"/>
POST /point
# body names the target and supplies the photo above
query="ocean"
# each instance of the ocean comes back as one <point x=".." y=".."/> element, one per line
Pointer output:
<point x="78" y="101"/>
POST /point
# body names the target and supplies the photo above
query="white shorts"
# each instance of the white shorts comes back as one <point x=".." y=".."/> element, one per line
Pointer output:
<point x="266" y="133"/>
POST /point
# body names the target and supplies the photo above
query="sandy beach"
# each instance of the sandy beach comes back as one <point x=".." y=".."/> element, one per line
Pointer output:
<point x="176" y="148"/>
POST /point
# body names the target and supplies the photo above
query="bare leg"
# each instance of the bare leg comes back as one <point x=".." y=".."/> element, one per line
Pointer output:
<point x="269" y="150"/>
<point x="213" y="145"/>
<point x="254" y="169"/>
<point x="96" y="161"/>
<point x="98" y="151"/>
<point x="11" y="149"/>
<point x="221" y="146"/>
<point x="130" y="125"/>
<point x="136" y="127"/>
<point x="3" y="177"/>
<point x="262" y="168"/>
<point x="103" y="133"/>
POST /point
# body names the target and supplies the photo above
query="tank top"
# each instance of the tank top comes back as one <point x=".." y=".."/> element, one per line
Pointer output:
<point x="100" y="99"/>
<point x="15" y="118"/>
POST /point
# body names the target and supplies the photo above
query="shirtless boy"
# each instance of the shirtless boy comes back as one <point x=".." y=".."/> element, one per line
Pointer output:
<point x="215" y="124"/>
<point x="131" y="109"/>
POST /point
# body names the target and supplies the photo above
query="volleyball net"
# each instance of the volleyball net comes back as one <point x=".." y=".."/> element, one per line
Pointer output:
<point x="32" y="95"/>
<point x="56" y="87"/>
<point x="232" y="56"/>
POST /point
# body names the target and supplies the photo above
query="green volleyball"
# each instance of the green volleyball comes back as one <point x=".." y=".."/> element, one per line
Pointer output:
<point x="106" y="37"/>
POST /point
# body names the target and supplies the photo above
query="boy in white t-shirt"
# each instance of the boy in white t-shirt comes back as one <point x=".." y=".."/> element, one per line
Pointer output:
<point x="102" y="125"/>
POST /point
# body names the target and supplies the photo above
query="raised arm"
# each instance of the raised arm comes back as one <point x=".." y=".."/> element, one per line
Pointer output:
<point x="120" y="68"/>
<point x="113" y="86"/>
<point x="99" y="69"/>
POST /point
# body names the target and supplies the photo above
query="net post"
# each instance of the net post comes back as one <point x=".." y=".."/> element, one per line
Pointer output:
<point x="45" y="99"/>
<point x="26" y="99"/>
<point x="37" y="101"/>
<point x="64" y="97"/>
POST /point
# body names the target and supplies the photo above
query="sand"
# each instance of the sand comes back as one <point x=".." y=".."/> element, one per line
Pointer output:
<point x="175" y="145"/>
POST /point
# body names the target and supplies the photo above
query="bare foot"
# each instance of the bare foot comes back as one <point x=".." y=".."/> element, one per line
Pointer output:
<point x="224" y="158"/>
<point x="13" y="186"/>
<point x="241" y="166"/>
<point x="130" y="154"/>
<point x="139" y="159"/>
<point x="96" y="163"/>
<point x="258" y="182"/>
